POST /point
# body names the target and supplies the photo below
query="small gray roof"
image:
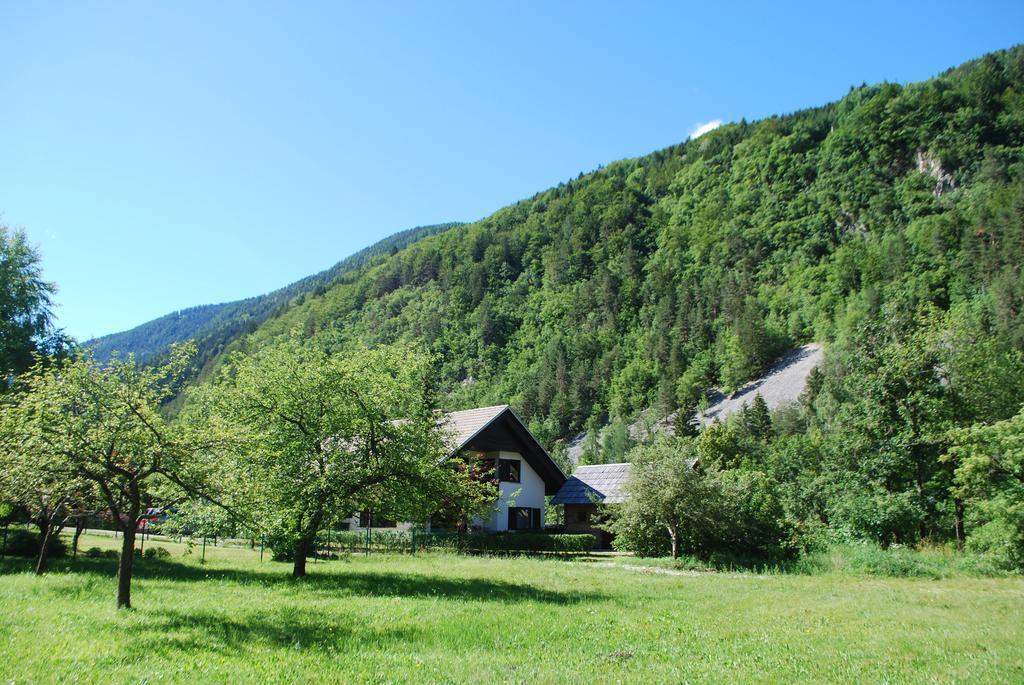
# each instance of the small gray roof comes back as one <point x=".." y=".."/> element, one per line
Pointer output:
<point x="463" y="425"/>
<point x="594" y="483"/>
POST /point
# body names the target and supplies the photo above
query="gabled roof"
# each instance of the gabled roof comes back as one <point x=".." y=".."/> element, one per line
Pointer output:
<point x="492" y="428"/>
<point x="463" y="425"/>
<point x="595" y="483"/>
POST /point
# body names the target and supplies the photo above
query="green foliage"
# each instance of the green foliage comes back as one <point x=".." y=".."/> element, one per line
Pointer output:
<point x="25" y="543"/>
<point x="888" y="226"/>
<point x="703" y="509"/>
<point x="78" y="425"/>
<point x="522" y="542"/>
<point x="312" y="437"/>
<point x="78" y="432"/>
<point x="26" y="322"/>
<point x="990" y="477"/>
<point x="693" y="384"/>
<point x="638" y="534"/>
<point x="644" y="283"/>
<point x="871" y="559"/>
<point x="407" y="542"/>
<point x="895" y="392"/>
<point x="756" y="420"/>
<point x="200" y="518"/>
<point x="615" y="443"/>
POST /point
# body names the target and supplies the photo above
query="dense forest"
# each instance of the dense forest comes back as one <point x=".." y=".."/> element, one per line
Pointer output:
<point x="888" y="226"/>
<point x="215" y="325"/>
<point x="651" y="279"/>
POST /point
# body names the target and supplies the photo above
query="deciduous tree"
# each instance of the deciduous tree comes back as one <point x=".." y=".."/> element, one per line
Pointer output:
<point x="101" y="426"/>
<point x="322" y="435"/>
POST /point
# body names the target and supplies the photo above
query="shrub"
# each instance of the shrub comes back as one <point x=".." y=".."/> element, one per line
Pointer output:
<point x="637" y="535"/>
<point x="157" y="553"/>
<point x="530" y="542"/>
<point x="897" y="561"/>
<point x="709" y="510"/>
<point x="999" y="543"/>
<point x="25" y="543"/>
<point x="402" y="542"/>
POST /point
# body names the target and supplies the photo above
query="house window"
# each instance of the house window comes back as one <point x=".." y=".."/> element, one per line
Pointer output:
<point x="582" y="517"/>
<point x="508" y="470"/>
<point x="523" y="518"/>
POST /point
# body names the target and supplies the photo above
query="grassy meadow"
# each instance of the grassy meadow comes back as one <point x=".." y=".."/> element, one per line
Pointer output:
<point x="447" y="618"/>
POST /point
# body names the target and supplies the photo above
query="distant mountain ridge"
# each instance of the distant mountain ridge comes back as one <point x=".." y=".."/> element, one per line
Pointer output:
<point x="214" y="326"/>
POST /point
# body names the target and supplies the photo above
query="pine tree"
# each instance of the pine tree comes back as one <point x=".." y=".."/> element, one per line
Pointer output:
<point x="757" y="420"/>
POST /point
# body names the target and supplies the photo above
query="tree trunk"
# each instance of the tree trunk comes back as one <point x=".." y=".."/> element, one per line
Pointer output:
<point x="49" y="527"/>
<point x="306" y="541"/>
<point x="124" y="567"/>
<point x="299" y="560"/>
<point x="44" y="551"/>
<point x="79" y="527"/>
<point x="675" y="542"/>
<point x="958" y="505"/>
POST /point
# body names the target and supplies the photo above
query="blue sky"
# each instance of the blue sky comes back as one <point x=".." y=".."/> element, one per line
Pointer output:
<point x="164" y="155"/>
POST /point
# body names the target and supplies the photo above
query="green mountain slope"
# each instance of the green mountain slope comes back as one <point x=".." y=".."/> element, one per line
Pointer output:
<point x="215" y="325"/>
<point x="641" y="284"/>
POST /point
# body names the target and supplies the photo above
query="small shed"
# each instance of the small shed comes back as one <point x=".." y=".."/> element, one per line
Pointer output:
<point x="590" y="486"/>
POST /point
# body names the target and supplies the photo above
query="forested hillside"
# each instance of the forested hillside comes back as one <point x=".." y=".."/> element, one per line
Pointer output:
<point x="642" y="283"/>
<point x="216" y="325"/>
<point x="887" y="226"/>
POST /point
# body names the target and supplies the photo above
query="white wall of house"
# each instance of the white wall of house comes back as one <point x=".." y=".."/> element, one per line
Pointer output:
<point x="352" y="523"/>
<point x="528" y="492"/>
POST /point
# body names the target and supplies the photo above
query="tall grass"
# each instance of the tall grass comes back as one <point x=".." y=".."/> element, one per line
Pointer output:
<point x="865" y="558"/>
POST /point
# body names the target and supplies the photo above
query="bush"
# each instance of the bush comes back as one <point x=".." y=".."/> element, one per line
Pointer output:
<point x="733" y="512"/>
<point x="25" y="543"/>
<point x="402" y="542"/>
<point x="529" y="542"/>
<point x="869" y="558"/>
<point x="637" y="535"/>
<point x="157" y="553"/>
<point x="1000" y="543"/>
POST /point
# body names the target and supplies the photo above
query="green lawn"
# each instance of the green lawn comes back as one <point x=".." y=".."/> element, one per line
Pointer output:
<point x="441" y="618"/>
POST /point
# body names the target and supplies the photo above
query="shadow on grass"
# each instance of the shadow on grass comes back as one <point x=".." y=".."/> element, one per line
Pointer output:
<point x="348" y="582"/>
<point x="181" y="633"/>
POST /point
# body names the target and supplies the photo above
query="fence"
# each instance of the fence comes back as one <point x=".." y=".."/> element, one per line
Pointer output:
<point x="333" y="542"/>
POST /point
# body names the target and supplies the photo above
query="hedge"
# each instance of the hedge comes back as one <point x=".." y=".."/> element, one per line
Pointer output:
<point x="403" y="541"/>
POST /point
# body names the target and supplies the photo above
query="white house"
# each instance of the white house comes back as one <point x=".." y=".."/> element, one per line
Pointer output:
<point x="526" y="472"/>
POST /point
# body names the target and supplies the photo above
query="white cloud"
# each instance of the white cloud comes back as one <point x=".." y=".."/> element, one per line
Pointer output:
<point x="701" y="129"/>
